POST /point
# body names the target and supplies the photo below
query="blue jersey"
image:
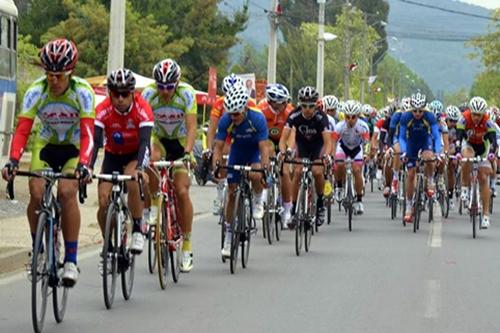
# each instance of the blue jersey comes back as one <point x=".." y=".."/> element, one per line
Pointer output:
<point x="413" y="132"/>
<point x="248" y="134"/>
<point x="395" y="118"/>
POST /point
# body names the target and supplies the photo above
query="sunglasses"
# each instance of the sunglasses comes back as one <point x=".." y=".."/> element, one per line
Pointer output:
<point x="235" y="115"/>
<point x="308" y="105"/>
<point x="166" y="86"/>
<point x="418" y="111"/>
<point x="350" y="117"/>
<point x="123" y="94"/>
<point x="57" y="75"/>
<point x="276" y="103"/>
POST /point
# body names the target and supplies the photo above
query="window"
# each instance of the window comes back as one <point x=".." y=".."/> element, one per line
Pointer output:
<point x="14" y="33"/>
<point x="4" y="30"/>
<point x="9" y="34"/>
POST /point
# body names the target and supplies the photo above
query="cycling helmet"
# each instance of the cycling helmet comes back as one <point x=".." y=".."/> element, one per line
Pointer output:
<point x="352" y="108"/>
<point x="277" y="93"/>
<point x="462" y="107"/>
<point x="121" y="79"/>
<point x="478" y="105"/>
<point x="491" y="115"/>
<point x="329" y="102"/>
<point x="495" y="110"/>
<point x="167" y="71"/>
<point x="406" y="104"/>
<point x="391" y="108"/>
<point x="452" y="113"/>
<point x="59" y="55"/>
<point x="236" y="99"/>
<point x="308" y="94"/>
<point x="418" y="100"/>
<point x="229" y="81"/>
<point x="366" y="110"/>
<point x="436" y="107"/>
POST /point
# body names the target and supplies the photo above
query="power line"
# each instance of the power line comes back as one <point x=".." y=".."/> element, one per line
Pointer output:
<point x="405" y="35"/>
<point x="450" y="10"/>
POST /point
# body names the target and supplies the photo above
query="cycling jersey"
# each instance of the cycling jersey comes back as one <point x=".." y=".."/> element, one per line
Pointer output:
<point x="275" y="121"/>
<point x="123" y="131"/>
<point x="476" y="134"/>
<point x="352" y="137"/>
<point x="170" y="117"/>
<point x="308" y="132"/>
<point x="245" y="139"/>
<point x="394" y="127"/>
<point x="65" y="120"/>
<point x="331" y="123"/>
<point x="418" y="134"/>
<point x="218" y="108"/>
<point x="368" y="123"/>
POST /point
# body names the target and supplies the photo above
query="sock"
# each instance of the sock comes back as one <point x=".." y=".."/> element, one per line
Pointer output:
<point x="186" y="244"/>
<point x="258" y="197"/>
<point x="71" y="249"/>
<point x="146" y="213"/>
<point x="287" y="206"/>
<point x="137" y="225"/>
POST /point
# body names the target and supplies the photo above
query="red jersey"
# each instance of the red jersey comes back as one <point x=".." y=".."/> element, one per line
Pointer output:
<point x="218" y="108"/>
<point x="122" y="130"/>
<point x="475" y="133"/>
<point x="275" y="121"/>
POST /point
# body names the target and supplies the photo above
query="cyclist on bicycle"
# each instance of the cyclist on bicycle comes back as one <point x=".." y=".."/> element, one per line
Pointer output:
<point x="331" y="106"/>
<point x="66" y="108"/>
<point x="312" y="140"/>
<point x="437" y="108"/>
<point x="123" y="124"/>
<point x="174" y="109"/>
<point x="215" y="114"/>
<point x="349" y="137"/>
<point x="248" y="130"/>
<point x="418" y="132"/>
<point x="481" y="140"/>
<point x="276" y="109"/>
<point x="453" y="115"/>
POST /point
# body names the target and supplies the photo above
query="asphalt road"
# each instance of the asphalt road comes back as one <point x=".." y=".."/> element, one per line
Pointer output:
<point x="381" y="277"/>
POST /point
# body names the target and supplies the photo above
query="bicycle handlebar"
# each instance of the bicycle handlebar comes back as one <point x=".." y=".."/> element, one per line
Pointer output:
<point x="115" y="178"/>
<point x="46" y="174"/>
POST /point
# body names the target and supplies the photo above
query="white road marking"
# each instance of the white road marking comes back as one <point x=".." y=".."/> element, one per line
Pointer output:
<point x="435" y="239"/>
<point x="432" y="299"/>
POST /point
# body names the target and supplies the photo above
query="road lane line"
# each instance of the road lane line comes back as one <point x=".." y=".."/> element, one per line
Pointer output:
<point x="435" y="239"/>
<point x="432" y="299"/>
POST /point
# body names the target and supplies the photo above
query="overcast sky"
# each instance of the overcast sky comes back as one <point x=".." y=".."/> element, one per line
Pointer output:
<point x="492" y="4"/>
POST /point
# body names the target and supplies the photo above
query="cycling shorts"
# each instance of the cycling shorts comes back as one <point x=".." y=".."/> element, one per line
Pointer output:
<point x="240" y="157"/>
<point x="480" y="150"/>
<point x="342" y="152"/>
<point x="414" y="147"/>
<point x="116" y="162"/>
<point x="310" y="151"/>
<point x="60" y="158"/>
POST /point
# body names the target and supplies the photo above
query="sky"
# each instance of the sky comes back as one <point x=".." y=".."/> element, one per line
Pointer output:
<point x="491" y="4"/>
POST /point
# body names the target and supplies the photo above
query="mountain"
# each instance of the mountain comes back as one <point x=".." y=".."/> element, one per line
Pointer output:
<point x="439" y="55"/>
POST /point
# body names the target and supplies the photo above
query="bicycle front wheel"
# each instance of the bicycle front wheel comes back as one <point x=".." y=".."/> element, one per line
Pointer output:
<point x="300" y="220"/>
<point x="59" y="292"/>
<point x="110" y="257"/>
<point x="246" y="234"/>
<point x="174" y="245"/>
<point x="236" y="229"/>
<point x="151" y="249"/>
<point x="162" y="246"/>
<point x="40" y="274"/>
<point x="127" y="259"/>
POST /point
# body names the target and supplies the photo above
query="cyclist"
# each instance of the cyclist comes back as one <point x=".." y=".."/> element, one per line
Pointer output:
<point x="480" y="135"/>
<point x="312" y="140"/>
<point x="331" y="105"/>
<point x="437" y="108"/>
<point x="276" y="109"/>
<point x="124" y="121"/>
<point x="174" y="108"/>
<point x="65" y="106"/>
<point x="452" y="117"/>
<point x="349" y="137"/>
<point x="215" y="114"/>
<point x="418" y="131"/>
<point x="248" y="130"/>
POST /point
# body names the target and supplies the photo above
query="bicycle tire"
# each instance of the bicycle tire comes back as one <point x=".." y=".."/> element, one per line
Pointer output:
<point x="222" y="234"/>
<point x="162" y="247"/>
<point x="174" y="246"/>
<point x="308" y="222"/>
<point x="247" y="233"/>
<point x="417" y="204"/>
<point x="235" y="242"/>
<point x="128" y="259"/>
<point x="403" y="191"/>
<point x="266" y="223"/>
<point x="110" y="235"/>
<point x="38" y="317"/>
<point x="272" y="217"/>
<point x="59" y="304"/>
<point x="431" y="210"/>
<point x="151" y="249"/>
<point x="328" y="203"/>
<point x="299" y="228"/>
<point x="474" y="211"/>
<point x="490" y="208"/>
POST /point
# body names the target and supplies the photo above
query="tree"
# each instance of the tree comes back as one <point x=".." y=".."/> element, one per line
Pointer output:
<point x="456" y="97"/>
<point x="251" y="61"/>
<point x="146" y="41"/>
<point x="487" y="85"/>
<point x="27" y="66"/>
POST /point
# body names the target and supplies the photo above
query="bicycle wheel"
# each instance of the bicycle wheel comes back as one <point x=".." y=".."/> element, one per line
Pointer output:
<point x="431" y="210"/>
<point x="418" y="204"/>
<point x="237" y="227"/>
<point x="162" y="246"/>
<point x="246" y="233"/>
<point x="110" y="257"/>
<point x="174" y="239"/>
<point x="328" y="203"/>
<point x="222" y="234"/>
<point x="127" y="264"/>
<point x="151" y="249"/>
<point x="273" y="208"/>
<point x="393" y="204"/>
<point x="300" y="220"/>
<point x="309" y="225"/>
<point x="40" y="274"/>
<point x="266" y="223"/>
<point x="473" y="211"/>
<point x="59" y="292"/>
<point x="490" y="208"/>
<point x="402" y="191"/>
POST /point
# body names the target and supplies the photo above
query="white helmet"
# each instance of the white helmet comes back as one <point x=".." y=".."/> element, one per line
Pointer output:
<point x="492" y="115"/>
<point x="352" y="108"/>
<point x="406" y="104"/>
<point x="418" y="100"/>
<point x="452" y="113"/>
<point x="329" y="102"/>
<point x="229" y="81"/>
<point x="478" y="105"/>
<point x="366" y="110"/>
<point x="236" y="99"/>
<point x="277" y="93"/>
<point x="167" y="71"/>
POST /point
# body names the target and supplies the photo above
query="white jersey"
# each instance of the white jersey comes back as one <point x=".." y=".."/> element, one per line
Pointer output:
<point x="354" y="136"/>
<point x="332" y="122"/>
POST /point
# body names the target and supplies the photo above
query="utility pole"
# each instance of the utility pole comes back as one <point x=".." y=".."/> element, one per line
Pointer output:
<point x="116" y="45"/>
<point x="362" y="74"/>
<point x="273" y="41"/>
<point x="320" y="81"/>
<point x="347" y="50"/>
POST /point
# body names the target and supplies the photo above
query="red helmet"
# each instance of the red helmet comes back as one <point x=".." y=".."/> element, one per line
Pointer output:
<point x="167" y="71"/>
<point x="59" y="55"/>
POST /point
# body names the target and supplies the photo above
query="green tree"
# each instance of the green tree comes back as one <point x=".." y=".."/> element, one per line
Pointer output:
<point x="251" y="61"/>
<point x="27" y="66"/>
<point x="146" y="41"/>
<point x="487" y="85"/>
<point x="456" y="97"/>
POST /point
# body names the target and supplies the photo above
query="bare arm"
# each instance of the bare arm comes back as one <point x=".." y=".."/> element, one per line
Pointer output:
<point x="191" y="132"/>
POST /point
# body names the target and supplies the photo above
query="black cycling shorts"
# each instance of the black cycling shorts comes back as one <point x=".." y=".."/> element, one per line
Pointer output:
<point x="116" y="162"/>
